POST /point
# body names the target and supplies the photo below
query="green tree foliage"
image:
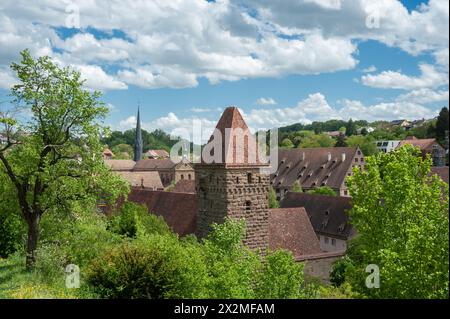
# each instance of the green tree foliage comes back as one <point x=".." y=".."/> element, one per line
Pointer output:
<point x="54" y="159"/>
<point x="442" y="124"/>
<point x="350" y="128"/>
<point x="123" y="151"/>
<point x="133" y="216"/>
<point x="317" y="140"/>
<point x="401" y="216"/>
<point x="164" y="266"/>
<point x="287" y="143"/>
<point x="322" y="190"/>
<point x="341" y="141"/>
<point x="157" y="139"/>
<point x="367" y="144"/>
<point x="273" y="203"/>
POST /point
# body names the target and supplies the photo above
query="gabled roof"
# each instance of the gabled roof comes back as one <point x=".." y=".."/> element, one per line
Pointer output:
<point x="120" y="165"/>
<point x="423" y="144"/>
<point x="290" y="228"/>
<point x="154" y="164"/>
<point x="238" y="145"/>
<point x="311" y="167"/>
<point x="157" y="153"/>
<point x="179" y="210"/>
<point x="142" y="179"/>
<point x="328" y="214"/>
<point x="184" y="186"/>
<point x="441" y="171"/>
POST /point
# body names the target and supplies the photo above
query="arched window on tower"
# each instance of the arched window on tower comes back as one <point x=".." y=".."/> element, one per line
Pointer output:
<point x="249" y="178"/>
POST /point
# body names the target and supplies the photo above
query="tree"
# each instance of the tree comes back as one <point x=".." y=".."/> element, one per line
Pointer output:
<point x="287" y="143"/>
<point x="340" y="141"/>
<point x="442" y="124"/>
<point x="317" y="140"/>
<point x="123" y="151"/>
<point x="350" y="128"/>
<point x="273" y="203"/>
<point x="322" y="190"/>
<point x="54" y="159"/>
<point x="400" y="213"/>
<point x="365" y="143"/>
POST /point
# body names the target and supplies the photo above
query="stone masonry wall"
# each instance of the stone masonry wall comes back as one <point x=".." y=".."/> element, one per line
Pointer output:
<point x="230" y="192"/>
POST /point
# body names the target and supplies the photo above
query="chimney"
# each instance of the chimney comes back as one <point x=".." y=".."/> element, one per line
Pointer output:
<point x="329" y="156"/>
<point x="343" y="157"/>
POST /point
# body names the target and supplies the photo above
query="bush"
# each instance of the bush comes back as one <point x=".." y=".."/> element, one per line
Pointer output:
<point x="130" y="271"/>
<point x="337" y="275"/>
<point x="132" y="217"/>
<point x="281" y="277"/>
<point x="12" y="229"/>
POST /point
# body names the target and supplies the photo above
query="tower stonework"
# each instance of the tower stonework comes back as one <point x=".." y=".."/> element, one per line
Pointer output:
<point x="234" y="186"/>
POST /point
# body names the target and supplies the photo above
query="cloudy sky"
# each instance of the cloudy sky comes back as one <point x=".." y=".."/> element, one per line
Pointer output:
<point x="281" y="62"/>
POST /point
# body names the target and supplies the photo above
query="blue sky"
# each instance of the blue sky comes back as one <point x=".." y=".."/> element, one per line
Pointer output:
<point x="296" y="61"/>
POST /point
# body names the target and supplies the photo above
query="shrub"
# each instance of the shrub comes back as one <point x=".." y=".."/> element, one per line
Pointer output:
<point x="130" y="271"/>
<point x="132" y="216"/>
<point x="280" y="277"/>
<point x="12" y="229"/>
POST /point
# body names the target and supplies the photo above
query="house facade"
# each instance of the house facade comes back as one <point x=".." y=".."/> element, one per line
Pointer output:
<point x="387" y="146"/>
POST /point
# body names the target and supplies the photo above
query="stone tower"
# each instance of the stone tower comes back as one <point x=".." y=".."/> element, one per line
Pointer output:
<point x="138" y="139"/>
<point x="229" y="180"/>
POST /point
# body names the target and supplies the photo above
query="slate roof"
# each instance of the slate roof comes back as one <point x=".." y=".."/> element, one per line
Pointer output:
<point x="120" y="165"/>
<point x="442" y="171"/>
<point x="312" y="168"/>
<point x="179" y="210"/>
<point x="328" y="214"/>
<point x="184" y="186"/>
<point x="238" y="145"/>
<point x="142" y="179"/>
<point x="154" y="164"/>
<point x="290" y="228"/>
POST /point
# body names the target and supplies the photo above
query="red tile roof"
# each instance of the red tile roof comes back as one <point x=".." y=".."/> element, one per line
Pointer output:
<point x="291" y="229"/>
<point x="120" y="165"/>
<point x="157" y="153"/>
<point x="425" y="144"/>
<point x="328" y="214"/>
<point x="154" y="164"/>
<point x="238" y="145"/>
<point x="179" y="210"/>
<point x="143" y="179"/>
<point x="184" y="186"/>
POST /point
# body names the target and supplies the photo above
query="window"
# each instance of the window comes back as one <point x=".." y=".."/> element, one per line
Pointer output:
<point x="248" y="205"/>
<point x="326" y="240"/>
<point x="356" y="159"/>
<point x="249" y="178"/>
<point x="237" y="180"/>
<point x="333" y="241"/>
<point x="345" y="193"/>
<point x="182" y="176"/>
<point x="189" y="176"/>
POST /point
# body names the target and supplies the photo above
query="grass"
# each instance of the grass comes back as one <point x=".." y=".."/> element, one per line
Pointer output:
<point x="17" y="283"/>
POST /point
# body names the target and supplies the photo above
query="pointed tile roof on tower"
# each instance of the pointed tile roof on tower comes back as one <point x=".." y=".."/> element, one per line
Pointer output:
<point x="238" y="145"/>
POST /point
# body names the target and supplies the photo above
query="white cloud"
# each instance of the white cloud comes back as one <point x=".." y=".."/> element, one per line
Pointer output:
<point x="430" y="77"/>
<point x="265" y="101"/>
<point x="424" y="96"/>
<point x="97" y="79"/>
<point x="7" y="79"/>
<point x="369" y="69"/>
<point x="128" y="123"/>
<point x="200" y="110"/>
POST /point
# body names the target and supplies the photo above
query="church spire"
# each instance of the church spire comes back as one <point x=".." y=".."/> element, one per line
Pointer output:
<point x="138" y="139"/>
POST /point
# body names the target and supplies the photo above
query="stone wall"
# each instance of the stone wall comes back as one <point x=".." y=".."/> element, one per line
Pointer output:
<point x="320" y="266"/>
<point x="236" y="193"/>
